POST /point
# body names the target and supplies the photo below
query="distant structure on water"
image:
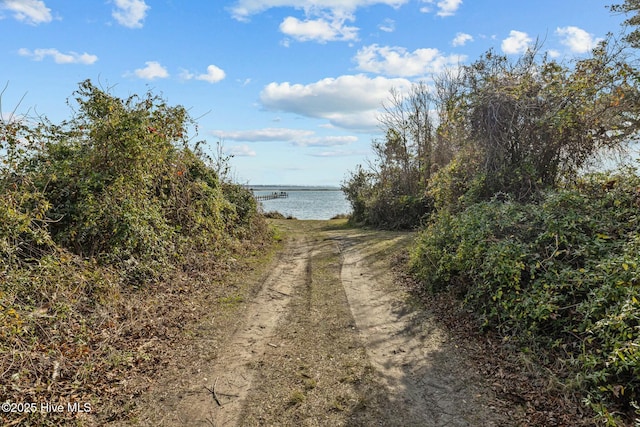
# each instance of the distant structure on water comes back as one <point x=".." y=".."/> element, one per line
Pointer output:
<point x="271" y="196"/>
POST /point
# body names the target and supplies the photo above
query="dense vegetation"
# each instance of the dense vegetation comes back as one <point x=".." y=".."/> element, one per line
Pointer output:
<point x="558" y="277"/>
<point x="489" y="163"/>
<point x="111" y="201"/>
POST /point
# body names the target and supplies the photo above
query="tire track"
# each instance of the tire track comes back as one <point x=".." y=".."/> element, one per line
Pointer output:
<point x="424" y="377"/>
<point x="231" y="377"/>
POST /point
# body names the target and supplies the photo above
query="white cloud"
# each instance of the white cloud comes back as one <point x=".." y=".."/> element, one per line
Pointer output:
<point x="241" y="151"/>
<point x="152" y="71"/>
<point x="576" y="39"/>
<point x="186" y="74"/>
<point x="461" y="39"/>
<point x="445" y="7"/>
<point x="30" y="11"/>
<point x="266" y="134"/>
<point x="297" y="137"/>
<point x="213" y="75"/>
<point x="448" y="7"/>
<point x="553" y="53"/>
<point x="326" y="141"/>
<point x="517" y="42"/>
<point x="388" y="26"/>
<point x="349" y="101"/>
<point x="320" y="30"/>
<point x="59" y="57"/>
<point x="130" y="13"/>
<point x="243" y="9"/>
<point x="397" y="61"/>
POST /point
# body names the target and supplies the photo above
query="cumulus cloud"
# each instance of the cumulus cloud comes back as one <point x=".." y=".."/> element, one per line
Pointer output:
<point x="448" y="7"/>
<point x="241" y="151"/>
<point x="576" y="39"/>
<point x="461" y="39"/>
<point x="445" y="7"/>
<point x="517" y="42"/>
<point x="130" y="13"/>
<point x="349" y="101"/>
<point x="320" y="30"/>
<point x="553" y="53"/>
<point x="213" y="75"/>
<point x="59" y="57"/>
<point x="30" y="11"/>
<point x="324" y="20"/>
<point x="397" y="61"/>
<point x="243" y="9"/>
<point x="152" y="71"/>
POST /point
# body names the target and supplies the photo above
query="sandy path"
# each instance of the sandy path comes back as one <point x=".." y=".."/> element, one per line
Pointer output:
<point x="330" y="339"/>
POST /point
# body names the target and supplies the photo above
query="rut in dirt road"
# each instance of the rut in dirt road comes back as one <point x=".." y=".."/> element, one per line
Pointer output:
<point x="232" y="375"/>
<point x="427" y="384"/>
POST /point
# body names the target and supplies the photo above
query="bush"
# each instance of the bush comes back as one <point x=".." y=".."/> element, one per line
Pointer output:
<point x="118" y="183"/>
<point x="91" y="210"/>
<point x="384" y="206"/>
<point x="561" y="276"/>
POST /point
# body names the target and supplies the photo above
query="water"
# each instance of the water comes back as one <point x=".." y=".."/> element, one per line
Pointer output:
<point x="305" y="202"/>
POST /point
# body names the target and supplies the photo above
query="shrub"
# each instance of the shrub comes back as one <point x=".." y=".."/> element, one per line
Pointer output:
<point x="119" y="183"/>
<point x="561" y="276"/>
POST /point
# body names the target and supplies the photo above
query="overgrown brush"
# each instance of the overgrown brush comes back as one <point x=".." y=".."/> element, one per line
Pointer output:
<point x="92" y="210"/>
<point x="560" y="277"/>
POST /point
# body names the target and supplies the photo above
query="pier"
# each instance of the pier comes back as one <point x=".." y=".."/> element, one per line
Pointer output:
<point x="271" y="196"/>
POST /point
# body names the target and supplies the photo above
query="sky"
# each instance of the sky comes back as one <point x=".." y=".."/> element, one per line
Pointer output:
<point x="292" y="89"/>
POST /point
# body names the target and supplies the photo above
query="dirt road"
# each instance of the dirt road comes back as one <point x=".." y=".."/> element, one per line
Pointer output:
<point x="328" y="339"/>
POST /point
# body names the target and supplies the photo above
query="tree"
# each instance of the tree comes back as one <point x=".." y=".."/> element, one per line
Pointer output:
<point x="630" y="6"/>
<point x="392" y="194"/>
<point x="535" y="122"/>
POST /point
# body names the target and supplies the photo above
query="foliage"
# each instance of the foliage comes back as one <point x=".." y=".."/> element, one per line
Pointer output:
<point x="122" y="184"/>
<point x="378" y="203"/>
<point x="503" y="127"/>
<point x="103" y="204"/>
<point x="391" y="192"/>
<point x="560" y="276"/>
<point x="535" y="122"/>
<point x="630" y="6"/>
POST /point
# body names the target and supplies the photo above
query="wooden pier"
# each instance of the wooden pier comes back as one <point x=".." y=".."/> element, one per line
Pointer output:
<point x="271" y="196"/>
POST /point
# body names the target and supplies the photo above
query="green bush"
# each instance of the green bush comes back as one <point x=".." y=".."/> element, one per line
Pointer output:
<point x="383" y="206"/>
<point x="118" y="183"/>
<point x="560" y="276"/>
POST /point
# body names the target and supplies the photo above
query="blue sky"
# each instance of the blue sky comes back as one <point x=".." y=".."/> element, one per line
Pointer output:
<point x="292" y="88"/>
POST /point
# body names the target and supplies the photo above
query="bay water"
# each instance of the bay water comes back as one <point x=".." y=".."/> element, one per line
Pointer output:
<point x="304" y="202"/>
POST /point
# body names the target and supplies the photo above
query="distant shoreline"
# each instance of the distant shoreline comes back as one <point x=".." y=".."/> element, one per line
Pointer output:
<point x="291" y="188"/>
